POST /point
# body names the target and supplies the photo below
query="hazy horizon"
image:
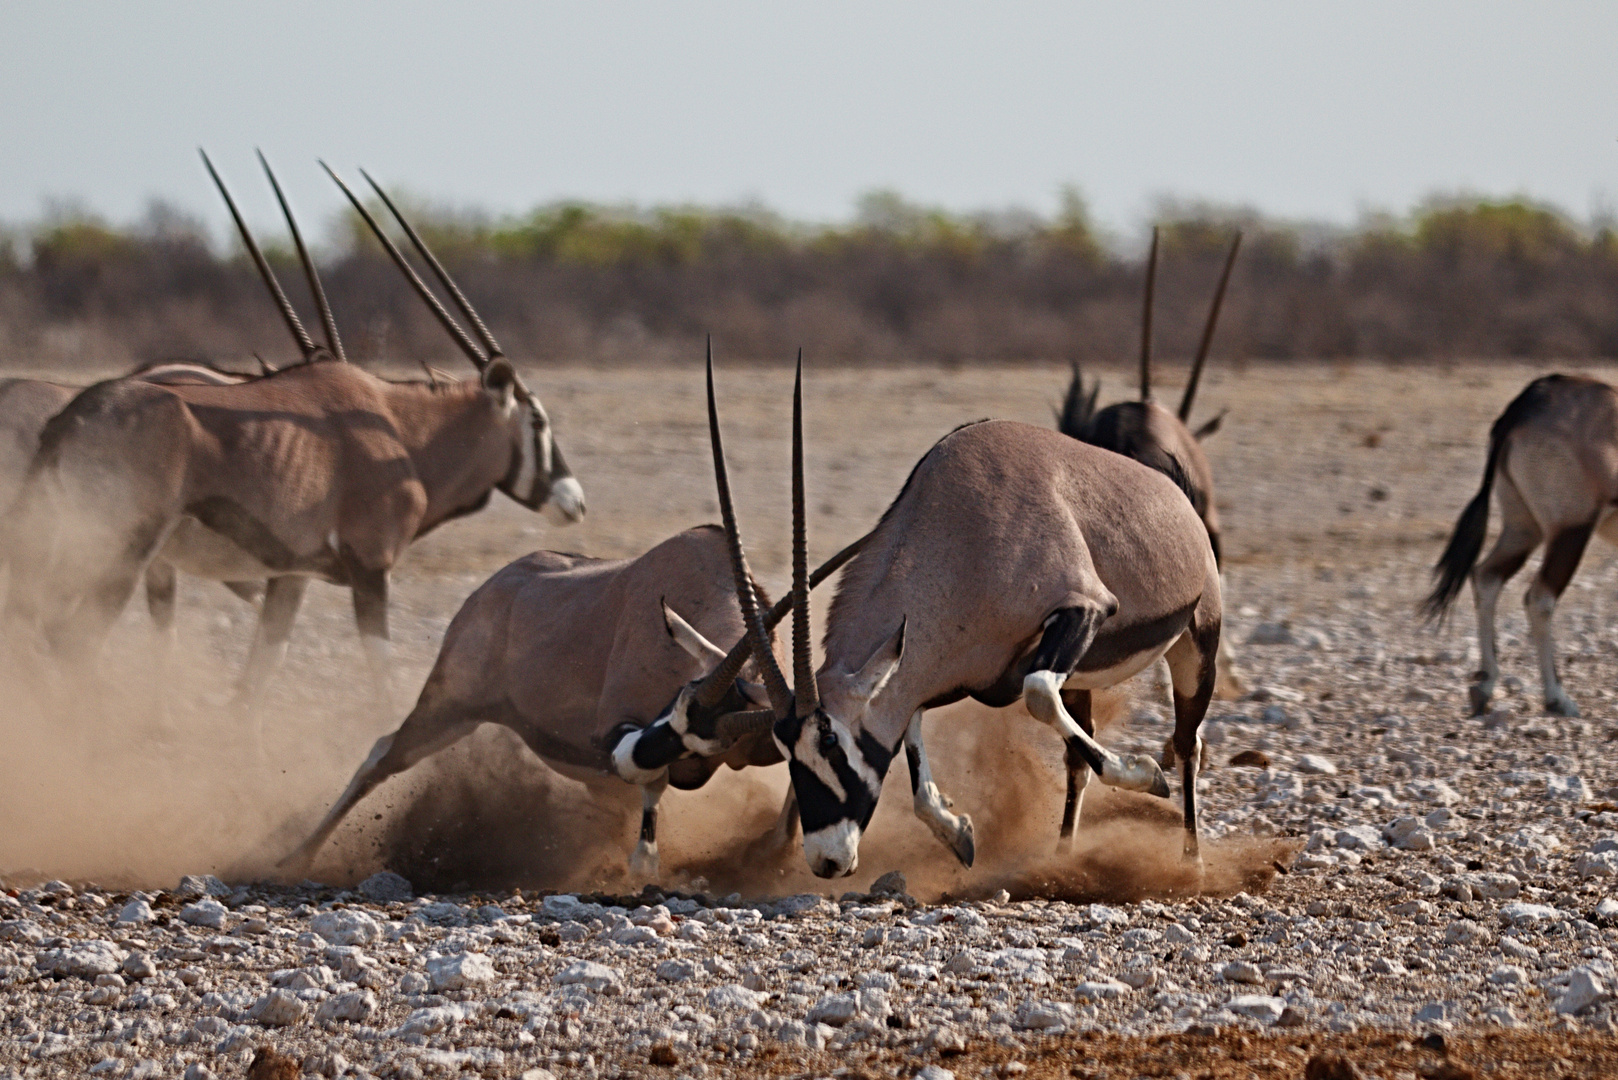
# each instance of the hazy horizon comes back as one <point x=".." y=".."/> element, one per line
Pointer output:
<point x="1298" y="113"/>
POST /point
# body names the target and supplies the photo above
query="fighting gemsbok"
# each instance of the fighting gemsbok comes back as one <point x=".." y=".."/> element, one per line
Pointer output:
<point x="1015" y="563"/>
<point x="576" y="655"/>
<point x="318" y="470"/>
<point x="1553" y="458"/>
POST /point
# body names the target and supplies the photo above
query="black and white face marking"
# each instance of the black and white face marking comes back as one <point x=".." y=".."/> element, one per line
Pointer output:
<point x="539" y="478"/>
<point x="682" y="730"/>
<point x="838" y="778"/>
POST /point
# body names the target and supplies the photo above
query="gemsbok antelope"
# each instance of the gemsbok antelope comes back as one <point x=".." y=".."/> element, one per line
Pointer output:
<point x="26" y="405"/>
<point x="575" y="654"/>
<point x="1145" y="430"/>
<point x="319" y="470"/>
<point x="1553" y="459"/>
<point x="1014" y="563"/>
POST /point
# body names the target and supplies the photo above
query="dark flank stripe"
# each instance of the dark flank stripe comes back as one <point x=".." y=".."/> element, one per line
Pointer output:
<point x="1115" y="644"/>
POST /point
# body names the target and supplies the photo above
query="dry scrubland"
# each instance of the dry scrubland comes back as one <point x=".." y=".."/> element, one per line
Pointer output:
<point x="1445" y="902"/>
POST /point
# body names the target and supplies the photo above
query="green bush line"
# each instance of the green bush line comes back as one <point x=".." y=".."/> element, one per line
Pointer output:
<point x="1456" y="278"/>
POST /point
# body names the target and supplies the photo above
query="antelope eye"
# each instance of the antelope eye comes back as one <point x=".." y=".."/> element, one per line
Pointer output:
<point x="828" y="741"/>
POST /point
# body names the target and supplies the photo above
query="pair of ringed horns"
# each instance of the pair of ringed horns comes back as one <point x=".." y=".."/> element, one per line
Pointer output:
<point x="783" y="700"/>
<point x="481" y="356"/>
<point x="1207" y="328"/>
<point x="306" y="344"/>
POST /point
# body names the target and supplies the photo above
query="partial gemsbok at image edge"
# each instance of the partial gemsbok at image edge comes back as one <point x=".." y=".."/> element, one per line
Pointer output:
<point x="1015" y="563"/>
<point x="318" y="470"/>
<point x="1553" y="464"/>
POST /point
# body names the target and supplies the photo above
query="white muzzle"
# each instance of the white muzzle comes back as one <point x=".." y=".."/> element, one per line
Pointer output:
<point x="566" y="504"/>
<point x="833" y="851"/>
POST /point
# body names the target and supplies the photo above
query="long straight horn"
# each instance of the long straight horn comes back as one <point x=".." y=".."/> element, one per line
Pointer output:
<point x="1208" y="331"/>
<point x="743" y="649"/>
<point x="468" y="346"/>
<point x="713" y="686"/>
<point x="333" y="342"/>
<point x="1146" y="322"/>
<point x="489" y="344"/>
<point x="803" y="668"/>
<point x="306" y="344"/>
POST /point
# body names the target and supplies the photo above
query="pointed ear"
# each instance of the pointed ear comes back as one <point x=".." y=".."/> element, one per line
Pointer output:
<point x="873" y="675"/>
<point x="686" y="636"/>
<point x="500" y="379"/>
<point x="1210" y="427"/>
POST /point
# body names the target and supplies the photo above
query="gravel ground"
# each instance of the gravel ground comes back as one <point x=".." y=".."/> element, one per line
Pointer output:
<point x="1429" y="894"/>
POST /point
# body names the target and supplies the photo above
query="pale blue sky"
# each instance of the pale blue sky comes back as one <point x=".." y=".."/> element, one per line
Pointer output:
<point x="1305" y="110"/>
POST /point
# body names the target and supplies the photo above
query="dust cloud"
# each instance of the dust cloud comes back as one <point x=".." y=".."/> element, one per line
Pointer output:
<point x="487" y="815"/>
<point x="145" y="772"/>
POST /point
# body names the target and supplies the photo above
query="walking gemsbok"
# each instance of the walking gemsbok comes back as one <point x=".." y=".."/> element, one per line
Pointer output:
<point x="1553" y="459"/>
<point x="319" y="470"/>
<point x="1015" y="563"/>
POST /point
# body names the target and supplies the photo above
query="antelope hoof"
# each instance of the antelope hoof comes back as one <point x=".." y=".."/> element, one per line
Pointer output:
<point x="1136" y="772"/>
<point x="963" y="847"/>
<point x="1479" y="694"/>
<point x="1562" y="705"/>
<point x="643" y="861"/>
<point x="1192" y="852"/>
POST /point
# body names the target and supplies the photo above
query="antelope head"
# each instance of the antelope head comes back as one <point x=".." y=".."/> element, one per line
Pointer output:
<point x="837" y="766"/>
<point x="539" y="477"/>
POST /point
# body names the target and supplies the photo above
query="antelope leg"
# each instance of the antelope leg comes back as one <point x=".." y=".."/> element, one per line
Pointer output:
<point x="1561" y="559"/>
<point x="1194" y="668"/>
<point x="1068" y="634"/>
<point x="643" y="861"/>
<point x="161" y="587"/>
<point x="785" y="829"/>
<point x="424" y="732"/>
<point x="370" y="589"/>
<point x="931" y="806"/>
<point x="1077" y="703"/>
<point x="282" y="597"/>
<point x="1519" y="535"/>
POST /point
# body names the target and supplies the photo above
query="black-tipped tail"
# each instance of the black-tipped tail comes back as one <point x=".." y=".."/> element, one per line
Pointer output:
<point x="1464" y="547"/>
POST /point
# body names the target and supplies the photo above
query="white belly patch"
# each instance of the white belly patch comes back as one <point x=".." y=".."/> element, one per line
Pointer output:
<point x="1134" y="665"/>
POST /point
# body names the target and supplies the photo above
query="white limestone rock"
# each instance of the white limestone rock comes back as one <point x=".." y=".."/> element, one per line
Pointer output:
<point x="590" y="975"/>
<point x="82" y="959"/>
<point x="356" y="1007"/>
<point x="208" y="913"/>
<point x="346" y="926"/>
<point x="460" y="971"/>
<point x="278" y="1008"/>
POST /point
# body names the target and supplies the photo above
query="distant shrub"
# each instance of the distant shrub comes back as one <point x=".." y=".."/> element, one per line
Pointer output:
<point x="576" y="281"/>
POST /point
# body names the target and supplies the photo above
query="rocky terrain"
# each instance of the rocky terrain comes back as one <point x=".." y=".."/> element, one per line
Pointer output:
<point x="1424" y="893"/>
